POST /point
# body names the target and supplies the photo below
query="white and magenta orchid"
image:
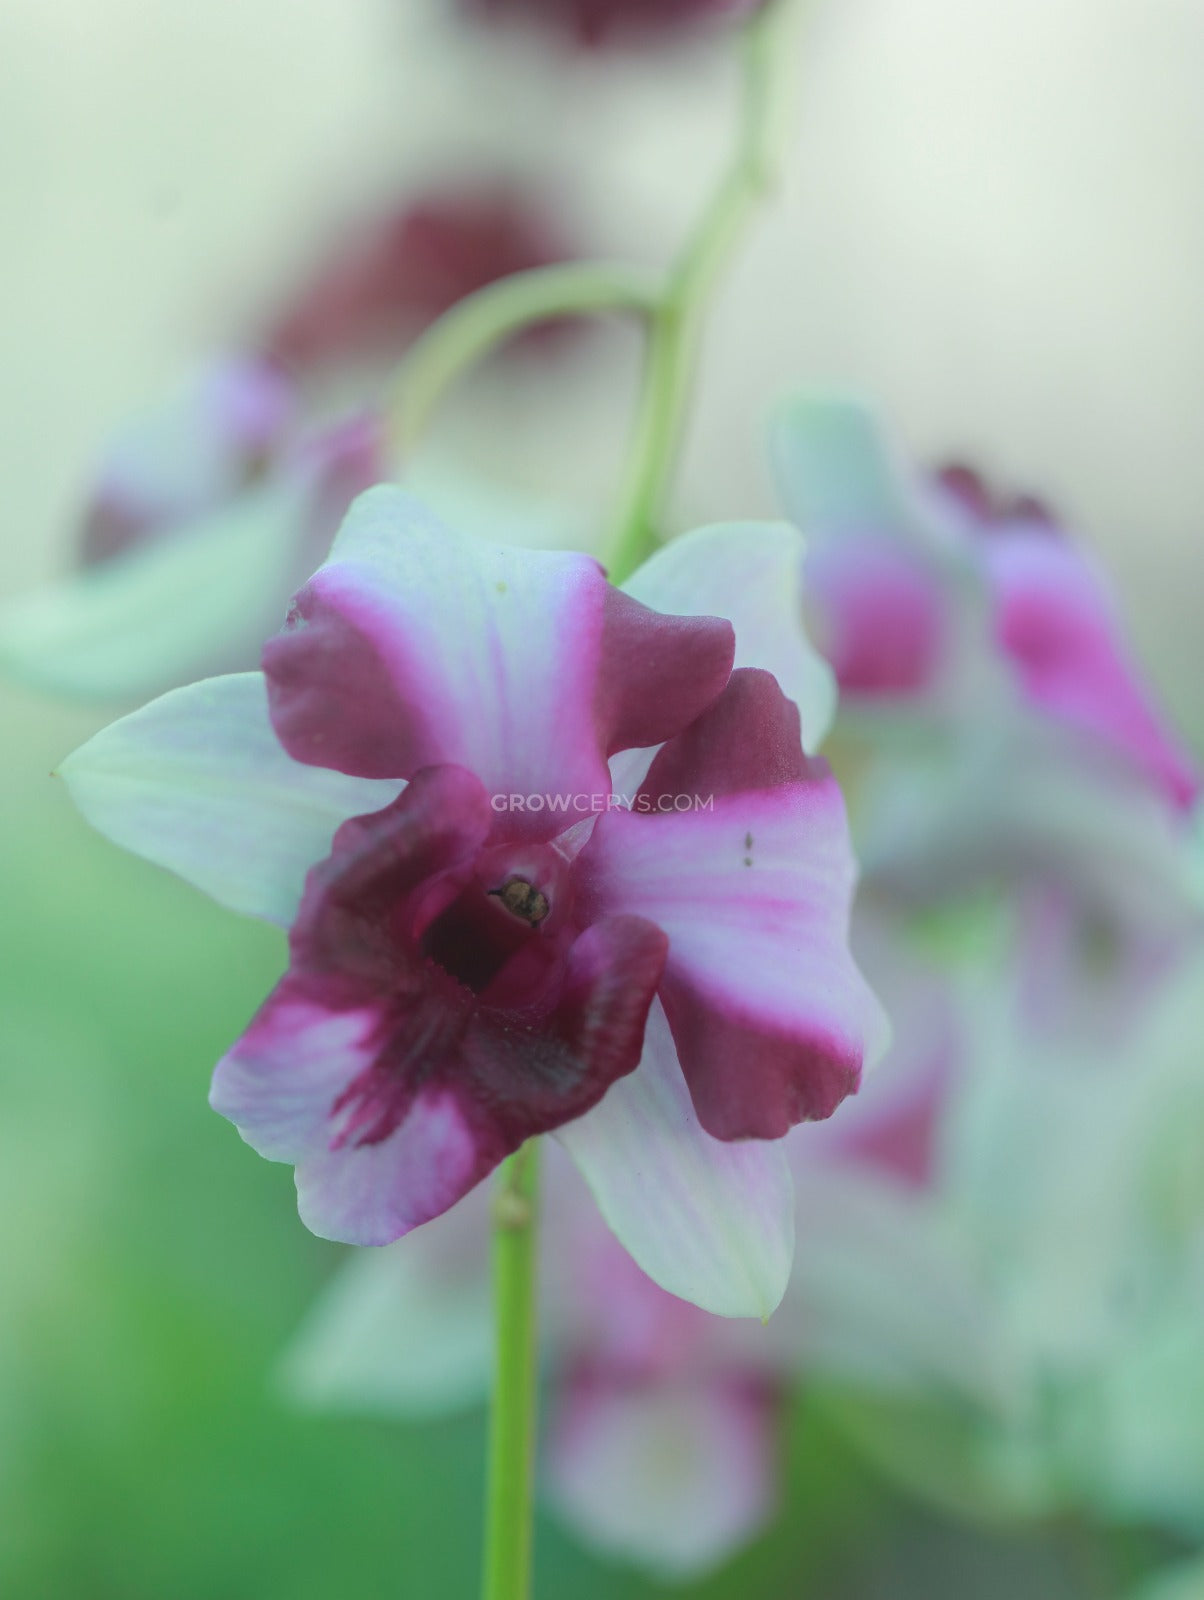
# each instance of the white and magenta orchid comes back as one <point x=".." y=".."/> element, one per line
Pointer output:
<point x="206" y="514"/>
<point x="1001" y="731"/>
<point x="922" y="589"/>
<point x="494" y="934"/>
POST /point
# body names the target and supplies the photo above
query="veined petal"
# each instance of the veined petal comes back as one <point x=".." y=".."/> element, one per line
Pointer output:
<point x="752" y="573"/>
<point x="712" y="1222"/>
<point x="672" y="1476"/>
<point x="197" y="782"/>
<point x="772" y="1019"/>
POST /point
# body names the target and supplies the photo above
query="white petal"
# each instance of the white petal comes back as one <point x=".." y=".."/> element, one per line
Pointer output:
<point x="711" y="1221"/>
<point x="197" y="782"/>
<point x="751" y="573"/>
<point x="403" y="1331"/>
<point x="674" y="1477"/>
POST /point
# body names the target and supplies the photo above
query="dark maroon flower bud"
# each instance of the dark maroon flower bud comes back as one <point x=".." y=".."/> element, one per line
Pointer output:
<point x="376" y="291"/>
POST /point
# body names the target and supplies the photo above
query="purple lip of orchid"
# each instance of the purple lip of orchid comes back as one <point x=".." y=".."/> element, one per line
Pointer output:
<point x="601" y="22"/>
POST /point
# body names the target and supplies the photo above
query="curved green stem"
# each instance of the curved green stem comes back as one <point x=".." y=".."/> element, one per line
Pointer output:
<point x="478" y="324"/>
<point x="676" y="321"/>
<point x="506" y="1573"/>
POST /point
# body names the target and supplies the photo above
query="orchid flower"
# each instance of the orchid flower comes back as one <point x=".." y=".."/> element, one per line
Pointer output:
<point x="206" y="514"/>
<point x="1003" y="733"/>
<point x="494" y="933"/>
<point x="1051" y="1360"/>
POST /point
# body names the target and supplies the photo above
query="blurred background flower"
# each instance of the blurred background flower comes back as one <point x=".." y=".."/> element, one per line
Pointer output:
<point x="990" y="222"/>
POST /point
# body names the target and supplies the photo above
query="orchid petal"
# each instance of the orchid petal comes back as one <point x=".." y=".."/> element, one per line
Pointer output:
<point x="416" y="646"/>
<point x="405" y="1331"/>
<point x="673" y="1477"/>
<point x="837" y="468"/>
<point x="772" y="1019"/>
<point x="1057" y="622"/>
<point x="752" y="573"/>
<point x="197" y="782"/>
<point x="712" y="1222"/>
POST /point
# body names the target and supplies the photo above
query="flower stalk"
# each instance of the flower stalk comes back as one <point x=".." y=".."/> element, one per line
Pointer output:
<point x="675" y="323"/>
<point x="511" y="1470"/>
<point x="477" y="325"/>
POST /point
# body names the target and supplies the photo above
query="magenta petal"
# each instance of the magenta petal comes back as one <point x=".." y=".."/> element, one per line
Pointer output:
<point x="749" y="1080"/>
<point x="391" y="1084"/>
<point x="414" y="646"/>
<point x="749" y="739"/>
<point x="771" y="1018"/>
<point x="881" y="613"/>
<point x="658" y="672"/>
<point x="1056" y="622"/>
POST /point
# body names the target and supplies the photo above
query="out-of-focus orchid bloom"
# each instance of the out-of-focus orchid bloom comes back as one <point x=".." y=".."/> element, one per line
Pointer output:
<point x="1022" y="1335"/>
<point x="914" y="582"/>
<point x="206" y="515"/>
<point x="392" y="278"/>
<point x="596" y="22"/>
<point x="484" y="944"/>
<point x="1002" y="732"/>
<point x="661" y="1420"/>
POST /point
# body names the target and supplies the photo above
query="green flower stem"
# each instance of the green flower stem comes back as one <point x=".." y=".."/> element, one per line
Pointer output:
<point x="507" y="1566"/>
<point x="476" y="325"/>
<point x="676" y="321"/>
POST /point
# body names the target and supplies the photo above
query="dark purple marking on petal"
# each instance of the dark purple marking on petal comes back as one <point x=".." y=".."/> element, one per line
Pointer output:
<point x="416" y="999"/>
<point x="749" y="738"/>
<point x="746" y="1081"/>
<point x="658" y="672"/>
<point x="332" y="699"/>
<point x="881" y="614"/>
